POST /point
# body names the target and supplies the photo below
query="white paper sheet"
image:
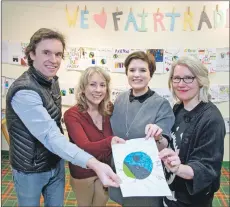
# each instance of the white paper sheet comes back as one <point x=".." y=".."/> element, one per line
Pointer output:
<point x="5" y="51"/>
<point x="214" y="92"/>
<point x="190" y="52"/>
<point x="115" y="92"/>
<point x="223" y="93"/>
<point x="72" y="56"/>
<point x="140" y="169"/>
<point x="6" y="83"/>
<point x="165" y="93"/>
<point x="67" y="91"/>
<point x="3" y="85"/>
<point x="171" y="55"/>
<point x="208" y="58"/>
<point x="15" y="53"/>
<point x="222" y="59"/>
<point x="158" y="56"/>
<point x="104" y="58"/>
<point x="226" y="121"/>
<point x="119" y="56"/>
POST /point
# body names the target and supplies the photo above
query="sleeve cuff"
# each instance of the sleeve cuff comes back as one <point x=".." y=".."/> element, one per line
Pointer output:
<point x="81" y="159"/>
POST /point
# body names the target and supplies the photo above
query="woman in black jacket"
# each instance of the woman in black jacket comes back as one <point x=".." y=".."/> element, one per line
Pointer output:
<point x="193" y="160"/>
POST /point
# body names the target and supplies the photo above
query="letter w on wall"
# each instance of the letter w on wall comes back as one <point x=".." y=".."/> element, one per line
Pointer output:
<point x="72" y="19"/>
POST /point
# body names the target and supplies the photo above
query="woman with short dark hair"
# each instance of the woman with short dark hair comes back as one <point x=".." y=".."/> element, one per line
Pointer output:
<point x="140" y="112"/>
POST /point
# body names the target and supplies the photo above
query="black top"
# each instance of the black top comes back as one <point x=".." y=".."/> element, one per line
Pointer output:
<point x="198" y="136"/>
<point x="141" y="98"/>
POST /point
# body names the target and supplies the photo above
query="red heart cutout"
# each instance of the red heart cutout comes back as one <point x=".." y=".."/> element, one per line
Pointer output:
<point x="100" y="19"/>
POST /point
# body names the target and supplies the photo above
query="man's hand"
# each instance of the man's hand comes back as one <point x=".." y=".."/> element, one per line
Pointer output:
<point x="104" y="173"/>
<point x="117" y="140"/>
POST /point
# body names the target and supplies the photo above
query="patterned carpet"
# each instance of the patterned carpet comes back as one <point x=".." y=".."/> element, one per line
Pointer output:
<point x="9" y="195"/>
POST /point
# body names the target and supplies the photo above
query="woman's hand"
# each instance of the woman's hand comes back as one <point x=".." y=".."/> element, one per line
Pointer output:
<point x="152" y="130"/>
<point x="170" y="159"/>
<point x="117" y="140"/>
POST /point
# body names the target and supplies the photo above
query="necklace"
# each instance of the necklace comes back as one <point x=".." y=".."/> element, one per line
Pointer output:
<point x="97" y="120"/>
<point x="126" y="116"/>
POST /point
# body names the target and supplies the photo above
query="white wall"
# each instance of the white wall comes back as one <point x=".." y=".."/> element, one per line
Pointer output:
<point x="21" y="19"/>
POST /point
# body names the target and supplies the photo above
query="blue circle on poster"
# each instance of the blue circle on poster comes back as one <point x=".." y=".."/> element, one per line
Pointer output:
<point x="137" y="165"/>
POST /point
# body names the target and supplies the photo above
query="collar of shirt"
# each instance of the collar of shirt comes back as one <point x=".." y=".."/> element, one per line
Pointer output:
<point x="41" y="79"/>
<point x="141" y="98"/>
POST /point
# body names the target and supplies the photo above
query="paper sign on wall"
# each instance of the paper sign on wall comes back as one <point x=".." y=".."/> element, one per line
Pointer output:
<point x="222" y="59"/>
<point x="158" y="56"/>
<point x="170" y="55"/>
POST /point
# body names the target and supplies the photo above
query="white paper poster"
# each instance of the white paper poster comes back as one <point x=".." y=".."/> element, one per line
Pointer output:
<point x="6" y="83"/>
<point x="104" y="58"/>
<point x="68" y="94"/>
<point x="24" y="61"/>
<point x="119" y="56"/>
<point x="140" y="169"/>
<point x="158" y="56"/>
<point x="170" y="55"/>
<point x="87" y="57"/>
<point x="5" y="51"/>
<point x="214" y="92"/>
<point x="115" y="92"/>
<point x="15" y="53"/>
<point x="191" y="52"/>
<point x="3" y="86"/>
<point x="222" y="59"/>
<point x="165" y="93"/>
<point x="208" y="58"/>
<point x="227" y="124"/>
<point x="223" y="93"/>
<point x="72" y="56"/>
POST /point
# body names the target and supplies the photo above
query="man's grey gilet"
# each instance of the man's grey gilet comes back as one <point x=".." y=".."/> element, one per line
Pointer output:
<point x="28" y="154"/>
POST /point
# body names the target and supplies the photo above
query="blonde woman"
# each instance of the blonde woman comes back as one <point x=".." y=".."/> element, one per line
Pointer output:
<point x="193" y="165"/>
<point x="88" y="126"/>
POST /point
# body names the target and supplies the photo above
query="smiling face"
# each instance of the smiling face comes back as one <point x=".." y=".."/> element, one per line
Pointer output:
<point x="185" y="92"/>
<point x="47" y="57"/>
<point x="138" y="76"/>
<point x="95" y="90"/>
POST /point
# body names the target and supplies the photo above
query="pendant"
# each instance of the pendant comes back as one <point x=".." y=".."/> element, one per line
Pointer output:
<point x="127" y="134"/>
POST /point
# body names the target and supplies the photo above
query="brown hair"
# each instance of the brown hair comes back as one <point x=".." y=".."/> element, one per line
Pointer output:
<point x="105" y="107"/>
<point x="142" y="56"/>
<point x="40" y="35"/>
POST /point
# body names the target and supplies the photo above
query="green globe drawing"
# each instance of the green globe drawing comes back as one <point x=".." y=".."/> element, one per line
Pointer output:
<point x="137" y="165"/>
<point x="103" y="61"/>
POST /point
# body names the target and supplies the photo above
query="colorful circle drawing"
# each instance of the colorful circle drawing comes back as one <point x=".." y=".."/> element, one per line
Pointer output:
<point x="137" y="165"/>
<point x="103" y="61"/>
<point x="91" y="54"/>
<point x="174" y="58"/>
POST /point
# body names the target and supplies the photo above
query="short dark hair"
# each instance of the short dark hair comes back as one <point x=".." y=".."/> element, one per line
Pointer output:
<point x="40" y="35"/>
<point x="142" y="56"/>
